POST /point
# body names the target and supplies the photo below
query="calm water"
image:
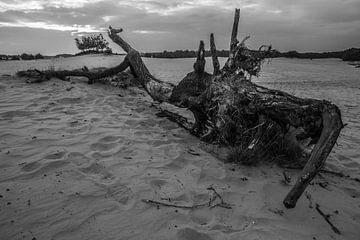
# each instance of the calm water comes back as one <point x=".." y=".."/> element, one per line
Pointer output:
<point x="329" y="79"/>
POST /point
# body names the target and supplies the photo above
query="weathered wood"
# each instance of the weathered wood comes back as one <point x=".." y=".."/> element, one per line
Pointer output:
<point x="231" y="110"/>
<point x="332" y="125"/>
<point x="216" y="64"/>
<point x="234" y="33"/>
<point x="160" y="91"/>
<point x="41" y="76"/>
<point x="199" y="65"/>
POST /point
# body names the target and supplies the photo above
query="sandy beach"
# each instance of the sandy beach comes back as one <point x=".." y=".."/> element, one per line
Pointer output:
<point x="78" y="161"/>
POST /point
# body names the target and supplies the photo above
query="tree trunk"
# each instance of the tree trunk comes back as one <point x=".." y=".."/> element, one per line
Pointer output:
<point x="231" y="110"/>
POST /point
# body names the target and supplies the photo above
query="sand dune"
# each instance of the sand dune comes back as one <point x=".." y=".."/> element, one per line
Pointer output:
<point x="77" y="164"/>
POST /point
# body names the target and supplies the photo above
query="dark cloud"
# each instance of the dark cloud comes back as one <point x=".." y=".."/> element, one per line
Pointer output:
<point x="306" y="25"/>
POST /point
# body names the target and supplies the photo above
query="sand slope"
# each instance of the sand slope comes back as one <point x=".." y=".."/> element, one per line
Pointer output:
<point x="76" y="164"/>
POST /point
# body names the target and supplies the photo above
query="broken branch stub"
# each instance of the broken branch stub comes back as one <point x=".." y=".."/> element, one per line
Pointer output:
<point x="216" y="64"/>
<point x="199" y="65"/>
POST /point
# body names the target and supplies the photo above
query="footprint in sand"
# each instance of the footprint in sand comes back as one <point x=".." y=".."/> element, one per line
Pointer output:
<point x="157" y="183"/>
<point x="81" y="129"/>
<point x="68" y="100"/>
<point x="119" y="193"/>
<point x="109" y="139"/>
<point x="13" y="114"/>
<point x="190" y="234"/>
<point x="30" y="166"/>
<point x="78" y="159"/>
<point x="102" y="147"/>
<point x="36" y="169"/>
<point x="97" y="170"/>
<point x="201" y="216"/>
<point x="166" y="187"/>
<point x="105" y="144"/>
<point x="43" y="166"/>
<point x="352" y="191"/>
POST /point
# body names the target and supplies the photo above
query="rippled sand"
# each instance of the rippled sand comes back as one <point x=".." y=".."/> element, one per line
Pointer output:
<point x="77" y="163"/>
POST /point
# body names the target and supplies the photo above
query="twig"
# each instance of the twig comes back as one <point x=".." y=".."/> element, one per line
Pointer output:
<point x="327" y="219"/>
<point x="148" y="201"/>
<point x="253" y="128"/>
<point x="222" y="204"/>
<point x="192" y="152"/>
<point x="340" y="174"/>
<point x="216" y="194"/>
<point x="209" y="204"/>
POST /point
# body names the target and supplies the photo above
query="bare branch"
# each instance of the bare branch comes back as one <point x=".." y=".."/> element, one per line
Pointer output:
<point x="113" y="35"/>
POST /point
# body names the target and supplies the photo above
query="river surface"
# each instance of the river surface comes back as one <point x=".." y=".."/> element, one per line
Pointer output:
<point x="330" y="79"/>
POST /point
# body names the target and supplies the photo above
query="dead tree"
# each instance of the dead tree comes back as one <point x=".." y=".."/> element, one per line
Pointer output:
<point x="231" y="110"/>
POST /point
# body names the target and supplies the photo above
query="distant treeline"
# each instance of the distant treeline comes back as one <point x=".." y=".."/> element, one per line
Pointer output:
<point x="352" y="54"/>
<point x="182" y="54"/>
<point x="23" y="56"/>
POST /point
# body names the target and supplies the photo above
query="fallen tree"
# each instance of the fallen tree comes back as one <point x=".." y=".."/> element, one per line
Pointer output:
<point x="230" y="110"/>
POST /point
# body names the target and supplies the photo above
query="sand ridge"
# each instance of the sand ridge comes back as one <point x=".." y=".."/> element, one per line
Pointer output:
<point x="76" y="164"/>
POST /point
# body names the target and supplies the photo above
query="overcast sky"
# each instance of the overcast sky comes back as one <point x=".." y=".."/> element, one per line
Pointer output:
<point x="50" y="26"/>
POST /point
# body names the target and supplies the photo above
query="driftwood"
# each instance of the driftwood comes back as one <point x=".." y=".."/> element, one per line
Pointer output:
<point x="210" y="204"/>
<point x="231" y="110"/>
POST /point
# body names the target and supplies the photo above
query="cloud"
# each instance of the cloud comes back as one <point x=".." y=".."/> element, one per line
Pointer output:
<point x="20" y="6"/>
<point x="148" y="32"/>
<point x="42" y="4"/>
<point x="43" y="25"/>
<point x="307" y="25"/>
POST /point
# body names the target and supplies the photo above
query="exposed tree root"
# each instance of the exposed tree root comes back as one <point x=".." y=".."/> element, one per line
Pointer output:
<point x="230" y="110"/>
<point x="178" y="119"/>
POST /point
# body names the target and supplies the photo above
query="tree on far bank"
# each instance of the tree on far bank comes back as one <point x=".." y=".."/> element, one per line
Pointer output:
<point x="93" y="43"/>
<point x="26" y="56"/>
<point x="352" y="54"/>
